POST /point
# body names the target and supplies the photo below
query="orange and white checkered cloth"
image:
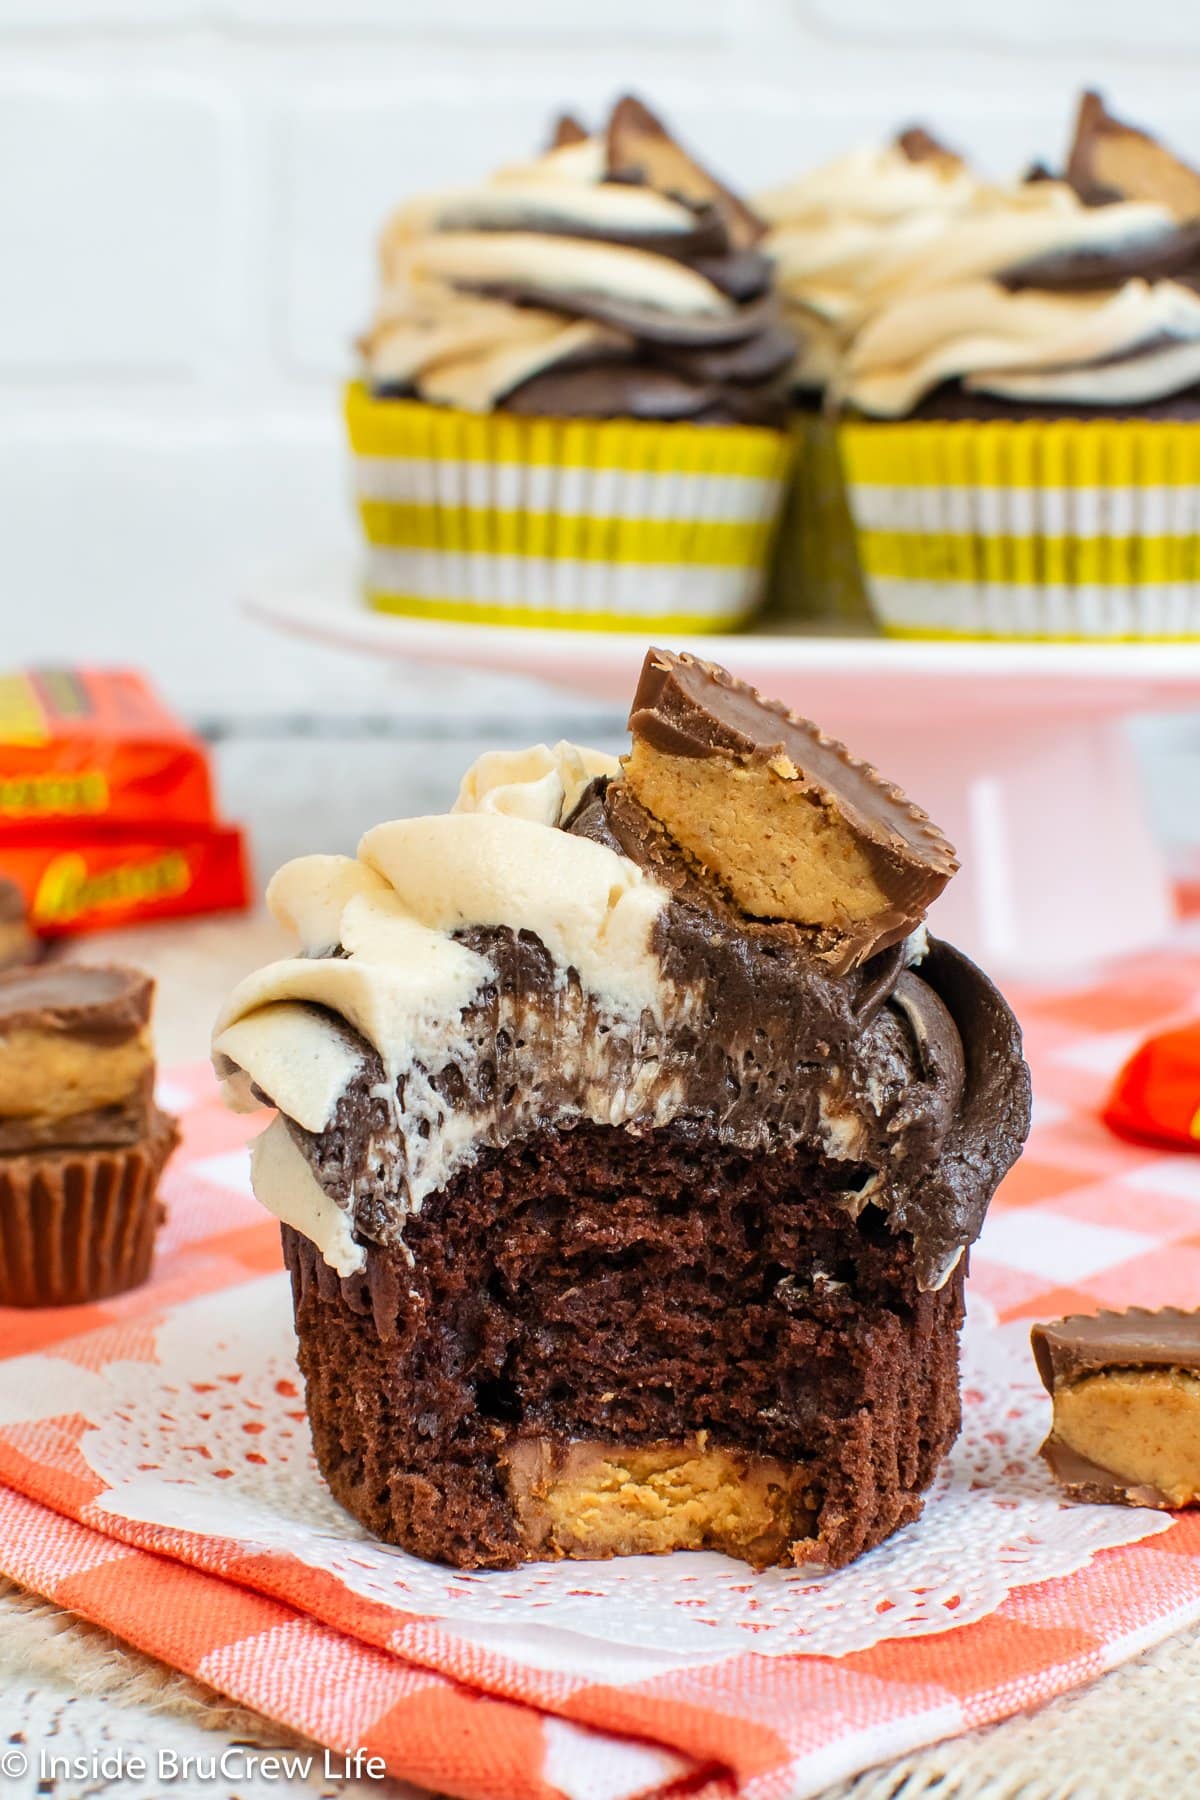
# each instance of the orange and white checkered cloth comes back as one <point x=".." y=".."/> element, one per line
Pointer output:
<point x="1085" y="1220"/>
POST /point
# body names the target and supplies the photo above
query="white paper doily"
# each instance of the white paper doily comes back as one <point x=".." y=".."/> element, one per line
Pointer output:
<point x="211" y="1437"/>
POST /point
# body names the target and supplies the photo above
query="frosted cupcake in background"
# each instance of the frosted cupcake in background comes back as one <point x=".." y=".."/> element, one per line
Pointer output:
<point x="834" y="229"/>
<point x="830" y="232"/>
<point x="573" y="394"/>
<point x="1022" y="445"/>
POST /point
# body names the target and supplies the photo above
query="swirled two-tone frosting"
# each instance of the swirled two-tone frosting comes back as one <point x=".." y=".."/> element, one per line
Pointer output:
<point x="1135" y="345"/>
<point x="1037" y="296"/>
<point x="611" y="277"/>
<point x="835" y="231"/>
<point x="905" y="275"/>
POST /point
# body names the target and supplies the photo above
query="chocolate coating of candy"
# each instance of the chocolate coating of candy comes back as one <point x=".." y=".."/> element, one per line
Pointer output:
<point x="1067" y="1349"/>
<point x="640" y="148"/>
<point x="100" y="1004"/>
<point x="19" y="943"/>
<point x="920" y="146"/>
<point x="1111" y="160"/>
<point x="80" y="1223"/>
<point x="1088" y="1481"/>
<point x="566" y="130"/>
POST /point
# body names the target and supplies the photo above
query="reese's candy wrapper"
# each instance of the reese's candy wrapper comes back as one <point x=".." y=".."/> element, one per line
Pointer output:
<point x="1156" y="1096"/>
<point x="88" y="747"/>
<point x="91" y="883"/>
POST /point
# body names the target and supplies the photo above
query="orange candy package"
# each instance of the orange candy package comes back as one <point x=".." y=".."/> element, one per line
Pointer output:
<point x="1156" y="1097"/>
<point x="106" y="805"/>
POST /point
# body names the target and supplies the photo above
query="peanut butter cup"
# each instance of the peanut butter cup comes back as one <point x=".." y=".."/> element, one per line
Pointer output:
<point x="82" y="1143"/>
<point x="782" y="816"/>
<point x="1126" y="1392"/>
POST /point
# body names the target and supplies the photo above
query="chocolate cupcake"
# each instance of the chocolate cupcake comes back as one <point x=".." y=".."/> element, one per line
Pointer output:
<point x="573" y="393"/>
<point x="82" y="1143"/>
<point x="1024" y="446"/>
<point x="630" y="1138"/>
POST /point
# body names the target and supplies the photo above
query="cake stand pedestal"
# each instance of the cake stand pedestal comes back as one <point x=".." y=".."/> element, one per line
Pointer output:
<point x="1019" y="751"/>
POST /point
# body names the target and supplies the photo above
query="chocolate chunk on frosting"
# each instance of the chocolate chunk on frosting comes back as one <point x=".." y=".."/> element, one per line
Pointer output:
<point x="567" y="130"/>
<point x="640" y="148"/>
<point x="782" y="816"/>
<point x="76" y="1062"/>
<point x="919" y="145"/>
<point x="1126" y="1392"/>
<point x="1110" y="160"/>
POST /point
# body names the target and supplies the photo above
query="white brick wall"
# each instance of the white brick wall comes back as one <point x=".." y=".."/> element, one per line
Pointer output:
<point x="189" y="190"/>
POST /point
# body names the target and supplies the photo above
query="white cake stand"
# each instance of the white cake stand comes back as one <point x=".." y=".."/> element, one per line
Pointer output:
<point x="1019" y="751"/>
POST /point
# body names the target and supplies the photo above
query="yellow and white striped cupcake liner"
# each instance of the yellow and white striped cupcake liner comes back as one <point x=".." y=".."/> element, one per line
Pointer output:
<point x="1076" y="530"/>
<point x="604" y="526"/>
<point x="815" y="577"/>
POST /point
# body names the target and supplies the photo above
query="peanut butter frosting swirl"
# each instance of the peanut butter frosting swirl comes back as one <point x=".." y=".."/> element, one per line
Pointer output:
<point x="836" y="229"/>
<point x="610" y="277"/>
